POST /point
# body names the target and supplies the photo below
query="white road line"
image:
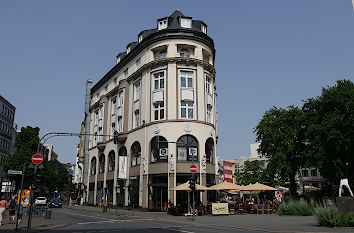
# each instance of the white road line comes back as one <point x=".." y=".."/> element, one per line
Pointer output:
<point x="83" y="215"/>
<point x="174" y="229"/>
<point x="109" y="221"/>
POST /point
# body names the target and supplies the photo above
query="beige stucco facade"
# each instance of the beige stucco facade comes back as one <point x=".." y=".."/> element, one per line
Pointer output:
<point x="145" y="112"/>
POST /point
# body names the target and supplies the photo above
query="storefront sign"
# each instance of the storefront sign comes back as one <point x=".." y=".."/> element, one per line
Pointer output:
<point x="219" y="208"/>
<point x="123" y="167"/>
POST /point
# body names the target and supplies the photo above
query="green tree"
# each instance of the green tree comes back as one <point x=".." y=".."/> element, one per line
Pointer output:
<point x="26" y="146"/>
<point x="55" y="176"/>
<point x="330" y="130"/>
<point x="282" y="136"/>
<point x="251" y="172"/>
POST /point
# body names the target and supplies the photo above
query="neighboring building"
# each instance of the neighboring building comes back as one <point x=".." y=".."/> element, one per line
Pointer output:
<point x="310" y="177"/>
<point x="49" y="153"/>
<point x="7" y="131"/>
<point x="71" y="169"/>
<point x="160" y="97"/>
<point x="255" y="155"/>
<point x="227" y="170"/>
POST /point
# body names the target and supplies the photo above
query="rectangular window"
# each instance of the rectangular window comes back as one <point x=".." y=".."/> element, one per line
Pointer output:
<point x="187" y="110"/>
<point x="100" y="123"/>
<point x="137" y="91"/>
<point x="113" y="115"/>
<point x="208" y="85"/>
<point x="159" y="111"/>
<point x="204" y="29"/>
<point x="138" y="63"/>
<point x="120" y="105"/>
<point x="305" y="173"/>
<point x="209" y="114"/>
<point x="186" y="23"/>
<point x="136" y="118"/>
<point x="136" y="106"/>
<point x="159" y="80"/>
<point x="186" y="78"/>
<point x="313" y="172"/>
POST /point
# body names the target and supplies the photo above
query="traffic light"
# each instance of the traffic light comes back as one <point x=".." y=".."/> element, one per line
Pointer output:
<point x="36" y="180"/>
<point x="192" y="184"/>
<point x="115" y="138"/>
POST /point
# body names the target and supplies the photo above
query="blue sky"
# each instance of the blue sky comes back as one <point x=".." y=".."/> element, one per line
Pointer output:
<point x="268" y="53"/>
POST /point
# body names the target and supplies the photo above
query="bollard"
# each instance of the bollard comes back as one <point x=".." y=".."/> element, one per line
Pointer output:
<point x="104" y="208"/>
<point x="48" y="214"/>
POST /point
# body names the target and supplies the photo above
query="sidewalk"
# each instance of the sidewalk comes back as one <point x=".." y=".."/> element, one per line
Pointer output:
<point x="39" y="223"/>
<point x="263" y="223"/>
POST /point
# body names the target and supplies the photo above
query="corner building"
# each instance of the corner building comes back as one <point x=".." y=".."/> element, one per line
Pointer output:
<point x="161" y="99"/>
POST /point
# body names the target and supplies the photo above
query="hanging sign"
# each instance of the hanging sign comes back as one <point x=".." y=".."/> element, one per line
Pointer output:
<point x="123" y="167"/>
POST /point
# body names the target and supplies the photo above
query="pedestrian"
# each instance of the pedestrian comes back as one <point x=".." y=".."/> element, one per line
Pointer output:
<point x="3" y="205"/>
<point x="12" y="206"/>
<point x="20" y="207"/>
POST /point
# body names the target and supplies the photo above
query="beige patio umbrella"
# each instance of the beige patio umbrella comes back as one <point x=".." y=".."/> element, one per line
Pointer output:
<point x="226" y="186"/>
<point x="258" y="187"/>
<point x="185" y="187"/>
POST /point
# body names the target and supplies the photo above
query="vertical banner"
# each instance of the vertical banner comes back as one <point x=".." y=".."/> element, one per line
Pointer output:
<point x="145" y="166"/>
<point x="171" y="164"/>
<point x="123" y="167"/>
<point x="203" y="165"/>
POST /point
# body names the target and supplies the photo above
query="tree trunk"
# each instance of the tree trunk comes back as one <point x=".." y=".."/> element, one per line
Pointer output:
<point x="293" y="187"/>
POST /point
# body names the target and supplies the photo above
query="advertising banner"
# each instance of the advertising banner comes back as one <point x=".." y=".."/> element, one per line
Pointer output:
<point x="123" y="167"/>
<point x="25" y="196"/>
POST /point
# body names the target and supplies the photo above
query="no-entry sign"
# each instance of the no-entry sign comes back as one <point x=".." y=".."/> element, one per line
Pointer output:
<point x="193" y="168"/>
<point x="37" y="159"/>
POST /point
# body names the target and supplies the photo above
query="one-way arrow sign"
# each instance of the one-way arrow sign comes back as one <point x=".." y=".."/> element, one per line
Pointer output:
<point x="14" y="172"/>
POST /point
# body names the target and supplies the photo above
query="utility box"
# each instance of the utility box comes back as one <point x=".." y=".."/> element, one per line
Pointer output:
<point x="48" y="214"/>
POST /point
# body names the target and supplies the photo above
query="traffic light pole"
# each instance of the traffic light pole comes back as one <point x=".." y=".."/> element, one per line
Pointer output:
<point x="29" y="224"/>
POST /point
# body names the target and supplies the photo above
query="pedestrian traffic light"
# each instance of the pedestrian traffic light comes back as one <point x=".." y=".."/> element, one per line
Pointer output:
<point x="115" y="138"/>
<point x="192" y="184"/>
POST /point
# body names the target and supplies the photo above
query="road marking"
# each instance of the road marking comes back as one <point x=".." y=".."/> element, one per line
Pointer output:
<point x="116" y="220"/>
<point x="83" y="215"/>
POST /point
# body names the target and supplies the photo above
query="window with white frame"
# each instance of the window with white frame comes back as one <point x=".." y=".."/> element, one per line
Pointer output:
<point x="138" y="63"/>
<point x="187" y="110"/>
<point x="120" y="104"/>
<point x="203" y="28"/>
<point x="186" y="23"/>
<point x="162" y="24"/>
<point x="126" y="73"/>
<point x="184" y="52"/>
<point x="209" y="114"/>
<point x="159" y="80"/>
<point x="95" y="127"/>
<point x="208" y="84"/>
<point x="128" y="50"/>
<point x="159" y="111"/>
<point x="186" y="79"/>
<point x="162" y="54"/>
<point x="100" y="123"/>
<point x="137" y="95"/>
<point x="140" y="38"/>
<point x="113" y="115"/>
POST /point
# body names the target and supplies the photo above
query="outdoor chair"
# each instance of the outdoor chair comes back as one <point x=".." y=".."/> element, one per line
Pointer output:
<point x="232" y="208"/>
<point x="252" y="209"/>
<point x="241" y="209"/>
<point x="200" y="209"/>
<point x="269" y="208"/>
<point x="260" y="208"/>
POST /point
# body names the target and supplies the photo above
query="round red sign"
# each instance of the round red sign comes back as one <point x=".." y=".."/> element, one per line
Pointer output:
<point x="37" y="159"/>
<point x="193" y="168"/>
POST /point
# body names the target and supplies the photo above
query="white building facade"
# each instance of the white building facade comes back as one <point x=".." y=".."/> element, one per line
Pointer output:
<point x="160" y="98"/>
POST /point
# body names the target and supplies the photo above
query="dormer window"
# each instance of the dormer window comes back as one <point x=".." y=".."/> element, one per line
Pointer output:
<point x="118" y="59"/>
<point x="203" y="28"/>
<point x="186" y="23"/>
<point x="162" y="24"/>
<point x="128" y="49"/>
<point x="140" y="38"/>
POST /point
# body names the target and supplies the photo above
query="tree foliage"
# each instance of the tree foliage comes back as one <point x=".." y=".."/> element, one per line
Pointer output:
<point x="55" y="176"/>
<point x="281" y="132"/>
<point x="330" y="130"/>
<point x="26" y="146"/>
<point x="251" y="172"/>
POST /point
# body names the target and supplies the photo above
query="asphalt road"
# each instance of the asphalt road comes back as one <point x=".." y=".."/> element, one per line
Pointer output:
<point x="90" y="222"/>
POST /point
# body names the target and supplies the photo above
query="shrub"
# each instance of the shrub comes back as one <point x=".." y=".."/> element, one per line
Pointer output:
<point x="300" y="208"/>
<point x="328" y="216"/>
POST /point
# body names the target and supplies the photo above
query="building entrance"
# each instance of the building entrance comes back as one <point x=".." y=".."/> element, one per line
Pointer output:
<point x="158" y="196"/>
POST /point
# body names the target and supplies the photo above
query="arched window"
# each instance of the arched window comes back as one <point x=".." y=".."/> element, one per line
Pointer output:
<point x="209" y="150"/>
<point x="187" y="148"/>
<point x="136" y="153"/>
<point x="123" y="151"/>
<point x="93" y="166"/>
<point x="111" y="161"/>
<point x="102" y="163"/>
<point x="159" y="149"/>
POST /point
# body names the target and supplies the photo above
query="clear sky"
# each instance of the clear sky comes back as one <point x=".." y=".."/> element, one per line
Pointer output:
<point x="268" y="53"/>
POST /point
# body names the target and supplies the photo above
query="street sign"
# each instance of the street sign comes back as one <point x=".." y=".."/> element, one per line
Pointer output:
<point x="193" y="168"/>
<point x="14" y="172"/>
<point x="37" y="159"/>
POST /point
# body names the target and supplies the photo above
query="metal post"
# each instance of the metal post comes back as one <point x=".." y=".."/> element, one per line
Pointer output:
<point x="19" y="203"/>
<point x="31" y="199"/>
